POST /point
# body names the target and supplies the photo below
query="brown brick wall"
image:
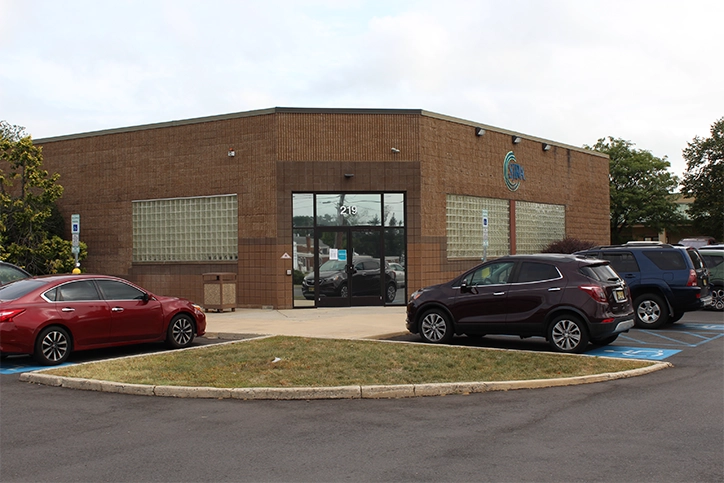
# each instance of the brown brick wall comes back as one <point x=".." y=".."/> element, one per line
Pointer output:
<point x="279" y="152"/>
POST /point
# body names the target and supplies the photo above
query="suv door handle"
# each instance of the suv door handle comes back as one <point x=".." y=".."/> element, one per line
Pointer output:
<point x="117" y="309"/>
<point x="554" y="289"/>
<point x="497" y="294"/>
<point x="67" y="309"/>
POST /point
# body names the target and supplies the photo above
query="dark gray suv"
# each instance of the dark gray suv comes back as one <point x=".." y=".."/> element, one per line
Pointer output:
<point x="666" y="281"/>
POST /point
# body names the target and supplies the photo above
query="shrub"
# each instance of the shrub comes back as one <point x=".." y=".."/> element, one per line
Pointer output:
<point x="297" y="277"/>
<point x="568" y="245"/>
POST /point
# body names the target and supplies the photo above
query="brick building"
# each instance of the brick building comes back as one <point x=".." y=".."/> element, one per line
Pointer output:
<point x="269" y="195"/>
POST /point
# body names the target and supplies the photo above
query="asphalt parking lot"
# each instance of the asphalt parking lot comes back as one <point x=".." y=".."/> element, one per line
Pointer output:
<point x="663" y="427"/>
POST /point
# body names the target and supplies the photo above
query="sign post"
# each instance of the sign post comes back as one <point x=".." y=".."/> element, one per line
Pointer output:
<point x="75" y="233"/>
<point x="485" y="235"/>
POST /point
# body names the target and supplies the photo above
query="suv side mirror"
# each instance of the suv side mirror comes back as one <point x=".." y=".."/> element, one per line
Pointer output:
<point x="465" y="288"/>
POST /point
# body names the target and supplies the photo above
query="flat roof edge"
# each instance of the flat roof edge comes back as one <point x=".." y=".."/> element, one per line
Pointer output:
<point x="528" y="137"/>
<point x="311" y="110"/>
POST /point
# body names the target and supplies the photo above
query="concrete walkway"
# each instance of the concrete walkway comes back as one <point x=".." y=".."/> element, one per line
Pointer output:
<point x="335" y="323"/>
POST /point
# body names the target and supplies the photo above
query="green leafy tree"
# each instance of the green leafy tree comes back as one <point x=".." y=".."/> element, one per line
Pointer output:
<point x="641" y="189"/>
<point x="704" y="181"/>
<point x="30" y="223"/>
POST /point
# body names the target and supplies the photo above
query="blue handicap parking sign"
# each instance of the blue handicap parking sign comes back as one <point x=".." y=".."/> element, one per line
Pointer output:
<point x="646" y="353"/>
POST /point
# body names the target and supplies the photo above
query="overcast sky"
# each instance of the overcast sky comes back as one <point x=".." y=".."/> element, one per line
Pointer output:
<point x="572" y="71"/>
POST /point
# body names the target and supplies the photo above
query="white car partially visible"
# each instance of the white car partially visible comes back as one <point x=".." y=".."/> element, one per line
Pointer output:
<point x="399" y="273"/>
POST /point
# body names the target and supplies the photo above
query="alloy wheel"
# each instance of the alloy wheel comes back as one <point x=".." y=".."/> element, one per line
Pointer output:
<point x="54" y="346"/>
<point x="566" y="335"/>
<point x="648" y="311"/>
<point x="183" y="331"/>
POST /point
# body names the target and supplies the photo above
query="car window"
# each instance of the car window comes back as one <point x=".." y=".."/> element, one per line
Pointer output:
<point x="8" y="274"/>
<point x="115" y="290"/>
<point x="372" y="265"/>
<point x="622" y="261"/>
<point x="492" y="274"/>
<point x="332" y="266"/>
<point x="695" y="259"/>
<point x="78" y="291"/>
<point x="713" y="260"/>
<point x="602" y="273"/>
<point x="537" y="272"/>
<point x="666" y="259"/>
<point x="17" y="289"/>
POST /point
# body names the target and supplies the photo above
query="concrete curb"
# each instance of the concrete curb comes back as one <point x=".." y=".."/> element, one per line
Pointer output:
<point x="338" y="392"/>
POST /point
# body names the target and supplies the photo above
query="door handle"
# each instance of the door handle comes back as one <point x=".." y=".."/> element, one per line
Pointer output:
<point x="497" y="294"/>
<point x="117" y="309"/>
<point x="67" y="309"/>
<point x="554" y="289"/>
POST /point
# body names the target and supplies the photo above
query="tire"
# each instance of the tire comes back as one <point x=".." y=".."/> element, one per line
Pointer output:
<point x="180" y="331"/>
<point x="651" y="311"/>
<point x="568" y="334"/>
<point x="53" y="346"/>
<point x="390" y="293"/>
<point x="436" y="327"/>
<point x="344" y="291"/>
<point x="602" y="342"/>
<point x="717" y="298"/>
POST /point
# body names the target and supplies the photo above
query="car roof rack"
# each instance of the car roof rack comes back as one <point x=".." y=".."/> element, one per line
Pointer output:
<point x="643" y="244"/>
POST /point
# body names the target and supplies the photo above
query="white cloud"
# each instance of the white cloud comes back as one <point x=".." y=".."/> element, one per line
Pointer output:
<point x="648" y="71"/>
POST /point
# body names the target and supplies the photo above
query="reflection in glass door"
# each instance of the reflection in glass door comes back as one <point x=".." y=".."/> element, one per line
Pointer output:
<point x="329" y="280"/>
<point x="372" y="283"/>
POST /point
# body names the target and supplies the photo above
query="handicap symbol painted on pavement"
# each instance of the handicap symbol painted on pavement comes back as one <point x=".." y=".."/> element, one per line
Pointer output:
<point x="648" y="354"/>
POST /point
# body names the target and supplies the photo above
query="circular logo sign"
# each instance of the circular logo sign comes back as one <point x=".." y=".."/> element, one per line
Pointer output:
<point x="513" y="173"/>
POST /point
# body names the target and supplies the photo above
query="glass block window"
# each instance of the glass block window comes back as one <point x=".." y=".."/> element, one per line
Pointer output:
<point x="537" y="225"/>
<point x="186" y="229"/>
<point x="465" y="226"/>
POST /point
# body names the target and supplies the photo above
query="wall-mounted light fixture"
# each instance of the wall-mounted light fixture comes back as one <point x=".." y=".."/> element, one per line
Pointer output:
<point x="232" y="153"/>
<point x="395" y="150"/>
<point x="516" y="139"/>
<point x="479" y="131"/>
<point x="546" y="147"/>
<point x="349" y="175"/>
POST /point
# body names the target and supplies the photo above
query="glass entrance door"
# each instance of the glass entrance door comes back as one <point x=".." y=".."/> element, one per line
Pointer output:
<point x="331" y="286"/>
<point x="349" y="270"/>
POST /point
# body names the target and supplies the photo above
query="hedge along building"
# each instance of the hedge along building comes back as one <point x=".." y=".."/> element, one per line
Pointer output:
<point x="271" y="195"/>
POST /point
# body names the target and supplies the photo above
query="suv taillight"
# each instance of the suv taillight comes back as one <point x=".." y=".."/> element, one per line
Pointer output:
<point x="692" y="279"/>
<point x="595" y="291"/>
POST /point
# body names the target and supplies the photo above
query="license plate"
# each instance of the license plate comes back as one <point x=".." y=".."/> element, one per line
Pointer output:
<point x="619" y="295"/>
<point x="310" y="288"/>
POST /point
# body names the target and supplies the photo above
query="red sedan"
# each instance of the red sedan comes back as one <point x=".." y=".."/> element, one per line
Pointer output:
<point x="51" y="316"/>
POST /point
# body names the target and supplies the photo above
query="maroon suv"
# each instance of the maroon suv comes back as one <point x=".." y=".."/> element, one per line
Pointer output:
<point x="567" y="299"/>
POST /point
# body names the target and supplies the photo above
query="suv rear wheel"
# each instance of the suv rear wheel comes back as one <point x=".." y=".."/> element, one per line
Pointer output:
<point x="717" y="295"/>
<point x="651" y="311"/>
<point x="567" y="333"/>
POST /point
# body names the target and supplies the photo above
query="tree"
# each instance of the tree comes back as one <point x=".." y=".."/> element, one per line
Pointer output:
<point x="29" y="219"/>
<point x="641" y="189"/>
<point x="704" y="181"/>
